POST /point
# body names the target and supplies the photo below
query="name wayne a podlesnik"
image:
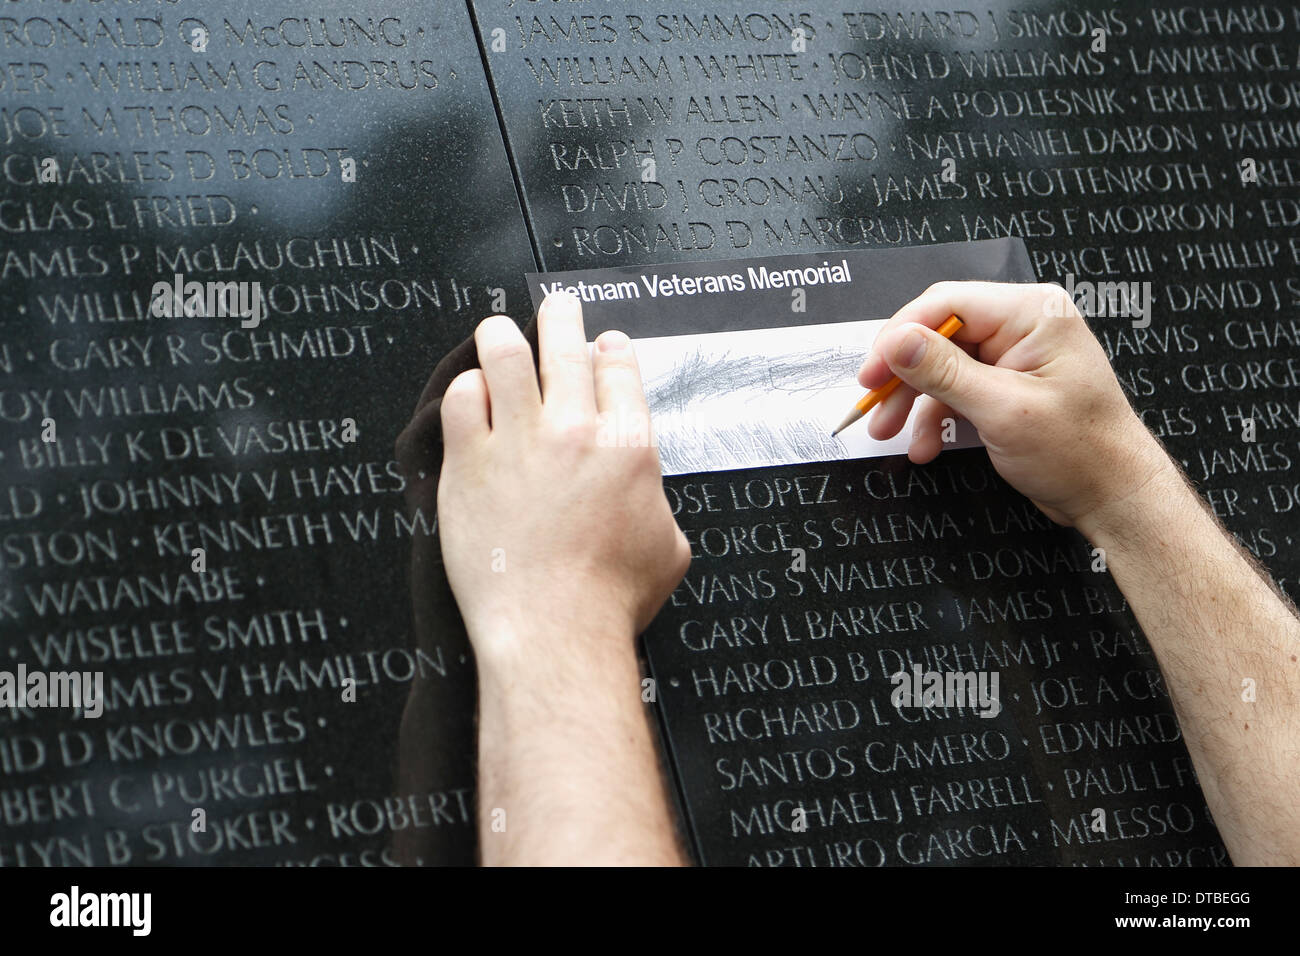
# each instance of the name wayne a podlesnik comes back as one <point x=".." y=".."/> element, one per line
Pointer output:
<point x="53" y="689"/>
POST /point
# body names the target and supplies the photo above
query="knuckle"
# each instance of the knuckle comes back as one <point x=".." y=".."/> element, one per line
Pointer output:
<point x="462" y="386"/>
<point x="946" y="372"/>
<point x="625" y="428"/>
<point x="645" y="457"/>
<point x="1056" y="302"/>
<point x="448" y="408"/>
<point x="506" y="350"/>
<point x="620" y="365"/>
<point x="569" y="358"/>
<point x="458" y="397"/>
<point x="497" y="337"/>
<point x="572" y="430"/>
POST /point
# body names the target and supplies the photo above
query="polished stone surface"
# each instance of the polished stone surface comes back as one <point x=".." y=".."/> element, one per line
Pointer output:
<point x="1151" y="146"/>
<point x="179" y="433"/>
<point x="777" y="681"/>
<point x="1123" y="144"/>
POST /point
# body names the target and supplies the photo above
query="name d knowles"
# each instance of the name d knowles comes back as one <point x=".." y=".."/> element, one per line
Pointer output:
<point x="54" y="689"/>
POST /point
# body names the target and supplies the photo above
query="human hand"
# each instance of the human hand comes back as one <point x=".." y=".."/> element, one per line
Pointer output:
<point x="1028" y="373"/>
<point x="552" y="515"/>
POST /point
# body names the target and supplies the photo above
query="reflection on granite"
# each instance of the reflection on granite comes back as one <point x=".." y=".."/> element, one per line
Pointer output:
<point x="308" y="696"/>
<point x="311" y="692"/>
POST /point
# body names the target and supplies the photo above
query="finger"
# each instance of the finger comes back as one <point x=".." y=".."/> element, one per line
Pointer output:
<point x="465" y="412"/>
<point x="928" y="362"/>
<point x="928" y="427"/>
<point x="507" y="363"/>
<point x="891" y="414"/>
<point x="996" y="315"/>
<point x="874" y="371"/>
<point x="564" y="359"/>
<point x="619" y="393"/>
<point x="871" y="377"/>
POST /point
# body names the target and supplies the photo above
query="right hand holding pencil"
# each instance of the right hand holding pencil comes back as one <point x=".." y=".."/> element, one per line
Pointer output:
<point x="1028" y="373"/>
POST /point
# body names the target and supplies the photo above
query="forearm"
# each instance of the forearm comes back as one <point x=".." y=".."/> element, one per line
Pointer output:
<point x="1213" y="623"/>
<point x="567" y="752"/>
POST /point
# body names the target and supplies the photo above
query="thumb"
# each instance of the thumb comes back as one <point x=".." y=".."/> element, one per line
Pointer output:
<point x="932" y="364"/>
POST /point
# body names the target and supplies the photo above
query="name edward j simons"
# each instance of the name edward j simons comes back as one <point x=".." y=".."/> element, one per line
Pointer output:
<point x="657" y="286"/>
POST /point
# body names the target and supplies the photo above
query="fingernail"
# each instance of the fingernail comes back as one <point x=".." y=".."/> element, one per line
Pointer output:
<point x="559" y="300"/>
<point x="612" y="341"/>
<point x="910" y="351"/>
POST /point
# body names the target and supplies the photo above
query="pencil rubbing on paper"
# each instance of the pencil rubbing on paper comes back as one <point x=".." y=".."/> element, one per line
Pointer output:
<point x="761" y="397"/>
<point x="702" y="375"/>
<point x="769" y="428"/>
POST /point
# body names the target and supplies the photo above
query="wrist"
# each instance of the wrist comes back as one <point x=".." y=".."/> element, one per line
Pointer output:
<point x="1154" y="483"/>
<point x="554" y="650"/>
<point x="545" y="683"/>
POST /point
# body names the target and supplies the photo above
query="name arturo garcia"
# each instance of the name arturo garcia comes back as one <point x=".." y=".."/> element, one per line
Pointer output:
<point x="53" y="689"/>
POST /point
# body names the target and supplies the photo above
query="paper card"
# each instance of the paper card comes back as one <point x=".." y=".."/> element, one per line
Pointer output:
<point x="724" y="400"/>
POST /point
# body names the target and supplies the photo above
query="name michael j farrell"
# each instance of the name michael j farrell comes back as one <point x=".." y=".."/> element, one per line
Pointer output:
<point x="53" y="689"/>
<point x="977" y="690"/>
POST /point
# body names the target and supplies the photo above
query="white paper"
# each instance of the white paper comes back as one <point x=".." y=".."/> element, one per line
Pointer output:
<point x="724" y="400"/>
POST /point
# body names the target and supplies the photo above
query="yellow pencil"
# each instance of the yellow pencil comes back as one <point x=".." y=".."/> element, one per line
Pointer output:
<point x="877" y="395"/>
